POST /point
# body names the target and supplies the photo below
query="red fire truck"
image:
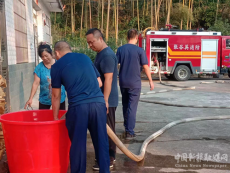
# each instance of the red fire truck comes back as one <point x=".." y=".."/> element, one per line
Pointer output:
<point x="182" y="53"/>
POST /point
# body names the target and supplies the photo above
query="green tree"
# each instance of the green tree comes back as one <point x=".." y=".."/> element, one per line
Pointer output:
<point x="221" y="26"/>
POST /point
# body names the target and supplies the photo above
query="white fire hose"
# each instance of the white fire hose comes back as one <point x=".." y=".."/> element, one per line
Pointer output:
<point x="142" y="152"/>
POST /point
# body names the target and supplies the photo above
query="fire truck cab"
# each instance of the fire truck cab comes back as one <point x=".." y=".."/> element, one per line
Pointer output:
<point x="181" y="53"/>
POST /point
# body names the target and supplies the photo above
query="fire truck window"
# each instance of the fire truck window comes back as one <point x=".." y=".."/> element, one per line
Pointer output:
<point x="228" y="44"/>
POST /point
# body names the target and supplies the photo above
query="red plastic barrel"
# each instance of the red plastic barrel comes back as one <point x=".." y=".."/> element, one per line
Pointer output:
<point x="35" y="143"/>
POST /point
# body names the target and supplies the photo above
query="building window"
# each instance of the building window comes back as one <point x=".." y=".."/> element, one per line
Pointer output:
<point x="20" y="31"/>
<point x="227" y="43"/>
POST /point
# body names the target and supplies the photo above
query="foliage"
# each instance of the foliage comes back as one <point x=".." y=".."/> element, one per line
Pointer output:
<point x="91" y="54"/>
<point x="80" y="45"/>
<point x="182" y="13"/>
<point x="221" y="26"/>
<point x="203" y="15"/>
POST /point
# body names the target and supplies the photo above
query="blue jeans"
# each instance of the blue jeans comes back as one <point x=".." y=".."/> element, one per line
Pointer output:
<point x="78" y="119"/>
<point x="130" y="98"/>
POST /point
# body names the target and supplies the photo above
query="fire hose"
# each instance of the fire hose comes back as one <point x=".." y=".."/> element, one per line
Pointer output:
<point x="147" y="141"/>
<point x="142" y="152"/>
<point x="141" y="155"/>
<point x="179" y="88"/>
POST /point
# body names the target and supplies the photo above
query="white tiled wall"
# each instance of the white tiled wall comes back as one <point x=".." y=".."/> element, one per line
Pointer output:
<point x="42" y="37"/>
<point x="30" y="31"/>
<point x="10" y="32"/>
<point x="10" y="29"/>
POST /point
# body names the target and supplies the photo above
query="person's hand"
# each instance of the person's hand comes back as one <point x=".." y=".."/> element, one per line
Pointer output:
<point x="28" y="103"/>
<point x="151" y="85"/>
<point x="56" y="118"/>
<point x="107" y="106"/>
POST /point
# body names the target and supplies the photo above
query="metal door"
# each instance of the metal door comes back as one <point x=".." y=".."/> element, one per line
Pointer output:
<point x="209" y="55"/>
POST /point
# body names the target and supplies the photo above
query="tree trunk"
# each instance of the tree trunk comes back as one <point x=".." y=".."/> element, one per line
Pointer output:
<point x="188" y="13"/>
<point x="166" y="6"/>
<point x="72" y="20"/>
<point x="98" y="13"/>
<point x="156" y="14"/>
<point x="65" y="23"/>
<point x="190" y="27"/>
<point x="144" y="9"/>
<point x="169" y="8"/>
<point x="90" y="17"/>
<point x="147" y="9"/>
<point x="115" y="16"/>
<point x="86" y="15"/>
<point x="55" y="18"/>
<point x="131" y="11"/>
<point x="133" y="8"/>
<point x="217" y="5"/>
<point x="151" y="13"/>
<point x="107" y="28"/>
<point x="74" y="13"/>
<point x="102" y="15"/>
<point x="138" y="19"/>
<point x="181" y="23"/>
<point x="158" y="6"/>
<point x="82" y="12"/>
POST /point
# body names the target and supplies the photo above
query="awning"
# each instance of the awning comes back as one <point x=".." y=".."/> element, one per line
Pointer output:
<point x="54" y="5"/>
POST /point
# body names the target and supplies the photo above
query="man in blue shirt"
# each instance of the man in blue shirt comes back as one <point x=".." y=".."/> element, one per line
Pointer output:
<point x="106" y="64"/>
<point x="86" y="109"/>
<point x="131" y="58"/>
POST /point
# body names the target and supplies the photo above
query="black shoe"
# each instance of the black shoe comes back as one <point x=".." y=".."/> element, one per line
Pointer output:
<point x="112" y="160"/>
<point x="96" y="166"/>
<point x="128" y="136"/>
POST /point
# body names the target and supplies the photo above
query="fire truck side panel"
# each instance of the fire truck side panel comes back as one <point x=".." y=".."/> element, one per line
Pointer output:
<point x="140" y="38"/>
<point x="225" y="56"/>
<point x="186" y="49"/>
<point x="148" y="49"/>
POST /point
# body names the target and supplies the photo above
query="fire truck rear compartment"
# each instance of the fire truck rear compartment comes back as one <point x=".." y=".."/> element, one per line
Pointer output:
<point x="159" y="51"/>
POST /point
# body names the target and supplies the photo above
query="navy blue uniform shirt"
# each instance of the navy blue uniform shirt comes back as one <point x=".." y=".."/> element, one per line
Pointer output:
<point x="131" y="58"/>
<point x="78" y="75"/>
<point x="106" y="62"/>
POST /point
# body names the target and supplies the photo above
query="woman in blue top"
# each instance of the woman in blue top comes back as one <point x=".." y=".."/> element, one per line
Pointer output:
<point x="42" y="77"/>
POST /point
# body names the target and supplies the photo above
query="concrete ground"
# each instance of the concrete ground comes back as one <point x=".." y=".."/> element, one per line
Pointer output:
<point x="207" y="141"/>
<point x="167" y="153"/>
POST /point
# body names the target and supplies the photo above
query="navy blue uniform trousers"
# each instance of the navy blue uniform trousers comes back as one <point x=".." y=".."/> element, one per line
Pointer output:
<point x="130" y="98"/>
<point x="78" y="119"/>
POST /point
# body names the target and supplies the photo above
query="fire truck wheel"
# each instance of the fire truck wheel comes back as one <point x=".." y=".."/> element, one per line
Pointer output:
<point x="182" y="73"/>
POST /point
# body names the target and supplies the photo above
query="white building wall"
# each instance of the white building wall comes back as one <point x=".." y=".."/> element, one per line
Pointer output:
<point x="42" y="37"/>
<point x="30" y="31"/>
<point x="10" y="31"/>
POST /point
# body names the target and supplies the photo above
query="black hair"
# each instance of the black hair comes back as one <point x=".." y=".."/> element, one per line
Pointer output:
<point x="132" y="33"/>
<point x="96" y="33"/>
<point x="44" y="47"/>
